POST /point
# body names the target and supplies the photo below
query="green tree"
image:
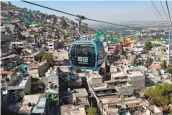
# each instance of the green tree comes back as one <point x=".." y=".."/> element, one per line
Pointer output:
<point x="160" y="94"/>
<point x="148" y="45"/>
<point x="169" y="69"/>
<point x="91" y="111"/>
<point x="138" y="60"/>
<point x="49" y="57"/>
<point x="50" y="60"/>
<point x="148" y="62"/>
<point x="22" y="94"/>
<point x="163" y="64"/>
<point x="45" y="56"/>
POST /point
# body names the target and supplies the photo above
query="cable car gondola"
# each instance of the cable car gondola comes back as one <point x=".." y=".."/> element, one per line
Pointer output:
<point x="86" y="54"/>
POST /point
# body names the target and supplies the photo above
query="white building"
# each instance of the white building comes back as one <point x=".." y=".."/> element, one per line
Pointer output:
<point x="135" y="78"/>
<point x="80" y="96"/>
<point x="24" y="84"/>
<point x="52" y="44"/>
<point x="153" y="110"/>
<point x="96" y="78"/>
<point x="22" y="44"/>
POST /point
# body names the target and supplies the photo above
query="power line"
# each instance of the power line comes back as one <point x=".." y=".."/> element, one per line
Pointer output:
<point x="163" y="10"/>
<point x="157" y="10"/>
<point x="168" y="11"/>
<point x="108" y="23"/>
<point x="169" y="39"/>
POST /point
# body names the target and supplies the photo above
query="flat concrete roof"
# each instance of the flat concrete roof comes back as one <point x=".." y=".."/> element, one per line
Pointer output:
<point x="154" y="109"/>
<point x="72" y="110"/>
<point x="115" y="100"/>
<point x="118" y="74"/>
<point x="99" y="86"/>
<point x="80" y="92"/>
<point x="135" y="74"/>
<point x="95" y="75"/>
<point x="28" y="99"/>
<point x="64" y="68"/>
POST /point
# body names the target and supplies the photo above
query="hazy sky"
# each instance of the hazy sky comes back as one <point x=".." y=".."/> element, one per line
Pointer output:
<point x="113" y="11"/>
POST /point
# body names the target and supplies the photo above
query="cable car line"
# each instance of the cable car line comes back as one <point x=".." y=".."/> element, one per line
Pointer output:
<point x="163" y="10"/>
<point x="49" y="8"/>
<point x="78" y="16"/>
<point x="81" y="17"/>
<point x="81" y="55"/>
<point x="157" y="10"/>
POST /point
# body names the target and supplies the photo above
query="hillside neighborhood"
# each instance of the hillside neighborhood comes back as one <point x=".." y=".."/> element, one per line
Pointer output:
<point x="37" y="77"/>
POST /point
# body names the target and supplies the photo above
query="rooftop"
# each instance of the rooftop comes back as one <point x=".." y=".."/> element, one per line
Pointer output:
<point x="115" y="100"/>
<point x="23" y="82"/>
<point x="40" y="107"/>
<point x="80" y="92"/>
<point x="6" y="72"/>
<point x="72" y="110"/>
<point x="156" y="66"/>
<point x="53" y="81"/>
<point x="28" y="99"/>
<point x="154" y="109"/>
<point x="95" y="75"/>
<point x="100" y="86"/>
<point x="37" y="65"/>
<point x="7" y="38"/>
<point x="64" y="68"/>
<point x="118" y="74"/>
<point x="135" y="74"/>
<point x="33" y="54"/>
<point x="19" y="84"/>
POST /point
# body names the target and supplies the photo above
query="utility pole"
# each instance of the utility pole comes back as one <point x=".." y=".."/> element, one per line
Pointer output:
<point x="79" y="24"/>
<point x="169" y="45"/>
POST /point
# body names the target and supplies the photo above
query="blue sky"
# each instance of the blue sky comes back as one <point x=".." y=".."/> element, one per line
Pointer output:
<point x="113" y="11"/>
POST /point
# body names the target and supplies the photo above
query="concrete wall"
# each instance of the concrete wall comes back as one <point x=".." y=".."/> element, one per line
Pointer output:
<point x="125" y="90"/>
<point x="137" y="82"/>
<point x="96" y="80"/>
<point x="28" y="86"/>
<point x="34" y="73"/>
<point x="148" y="112"/>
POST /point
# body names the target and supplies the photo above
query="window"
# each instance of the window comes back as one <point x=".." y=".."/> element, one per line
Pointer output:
<point x="83" y="55"/>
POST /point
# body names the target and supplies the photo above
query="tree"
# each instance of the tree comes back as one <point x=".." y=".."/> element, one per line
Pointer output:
<point x="148" y="45"/>
<point x="49" y="57"/>
<point x="22" y="94"/>
<point x="169" y="69"/>
<point x="50" y="60"/>
<point x="163" y="64"/>
<point x="138" y="60"/>
<point x="160" y="94"/>
<point x="91" y="111"/>
<point x="148" y="62"/>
